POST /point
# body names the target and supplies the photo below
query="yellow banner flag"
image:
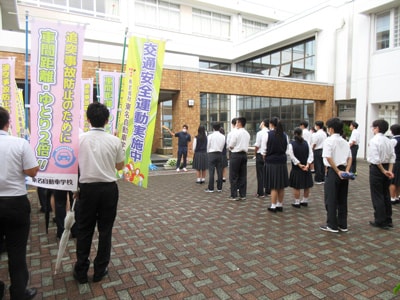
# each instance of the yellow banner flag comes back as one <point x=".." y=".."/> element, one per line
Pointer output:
<point x="138" y="107"/>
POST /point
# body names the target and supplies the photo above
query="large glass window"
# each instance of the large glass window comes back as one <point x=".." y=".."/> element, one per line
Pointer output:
<point x="215" y="108"/>
<point x="211" y="24"/>
<point x="157" y="13"/>
<point x="296" y="61"/>
<point x="290" y="111"/>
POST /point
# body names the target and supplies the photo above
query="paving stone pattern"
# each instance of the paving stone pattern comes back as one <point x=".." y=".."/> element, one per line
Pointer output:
<point x="174" y="241"/>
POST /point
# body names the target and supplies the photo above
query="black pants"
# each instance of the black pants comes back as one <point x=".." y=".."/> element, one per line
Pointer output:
<point x="97" y="204"/>
<point x="336" y="191"/>
<point x="379" y="187"/>
<point x="14" y="226"/>
<point x="60" y="201"/>
<point x="214" y="163"/>
<point x="354" y="150"/>
<point x="44" y="196"/>
<point x="319" y="166"/>
<point x="182" y="151"/>
<point x="238" y="174"/>
<point x="260" y="172"/>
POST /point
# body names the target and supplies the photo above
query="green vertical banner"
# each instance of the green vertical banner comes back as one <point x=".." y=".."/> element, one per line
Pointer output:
<point x="138" y="107"/>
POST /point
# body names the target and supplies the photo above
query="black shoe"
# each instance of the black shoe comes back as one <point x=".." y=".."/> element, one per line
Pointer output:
<point x="279" y="208"/>
<point x="304" y="203"/>
<point x="98" y="277"/>
<point x="30" y="293"/>
<point x="390" y="225"/>
<point x="272" y="209"/>
<point x="297" y="205"/>
<point x="82" y="279"/>
<point x="2" y="290"/>
<point x="378" y="225"/>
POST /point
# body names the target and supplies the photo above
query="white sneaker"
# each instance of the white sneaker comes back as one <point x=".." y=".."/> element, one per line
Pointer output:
<point x="184" y="170"/>
<point x="327" y="228"/>
<point x="177" y="169"/>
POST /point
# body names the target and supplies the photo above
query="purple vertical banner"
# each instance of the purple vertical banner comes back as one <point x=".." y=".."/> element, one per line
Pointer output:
<point x="109" y="89"/>
<point x="56" y="72"/>
<point x="86" y="99"/>
<point x="8" y="92"/>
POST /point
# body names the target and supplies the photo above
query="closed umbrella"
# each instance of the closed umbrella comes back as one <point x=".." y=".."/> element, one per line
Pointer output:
<point x="68" y="223"/>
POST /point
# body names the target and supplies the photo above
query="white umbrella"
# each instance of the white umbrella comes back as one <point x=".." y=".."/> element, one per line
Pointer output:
<point x="68" y="223"/>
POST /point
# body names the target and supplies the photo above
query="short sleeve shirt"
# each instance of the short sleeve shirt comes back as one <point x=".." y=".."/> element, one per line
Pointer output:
<point x="99" y="151"/>
<point x="16" y="155"/>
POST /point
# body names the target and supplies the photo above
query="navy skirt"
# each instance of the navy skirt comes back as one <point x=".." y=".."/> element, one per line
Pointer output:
<point x="396" y="171"/>
<point x="276" y="176"/>
<point x="300" y="179"/>
<point x="200" y="161"/>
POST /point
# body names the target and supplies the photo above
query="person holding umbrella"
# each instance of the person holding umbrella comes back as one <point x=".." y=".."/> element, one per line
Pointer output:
<point x="100" y="153"/>
<point x="17" y="160"/>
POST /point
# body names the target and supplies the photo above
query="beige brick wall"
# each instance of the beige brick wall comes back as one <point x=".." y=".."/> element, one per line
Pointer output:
<point x="188" y="85"/>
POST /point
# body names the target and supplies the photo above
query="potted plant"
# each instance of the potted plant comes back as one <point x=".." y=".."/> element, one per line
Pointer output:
<point x="170" y="164"/>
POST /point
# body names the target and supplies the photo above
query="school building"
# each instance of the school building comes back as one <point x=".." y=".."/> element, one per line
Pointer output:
<point x="239" y="58"/>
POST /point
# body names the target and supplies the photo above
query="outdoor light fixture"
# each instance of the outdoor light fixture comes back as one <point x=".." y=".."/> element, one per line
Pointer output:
<point x="190" y="102"/>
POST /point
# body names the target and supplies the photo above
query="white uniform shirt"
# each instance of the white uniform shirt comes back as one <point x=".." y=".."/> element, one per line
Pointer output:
<point x="16" y="155"/>
<point x="99" y="151"/>
<point x="354" y="137"/>
<point x="215" y="142"/>
<point x="239" y="140"/>
<point x="261" y="147"/>
<point x="318" y="138"/>
<point x="307" y="136"/>
<point x="381" y="150"/>
<point x="336" y="148"/>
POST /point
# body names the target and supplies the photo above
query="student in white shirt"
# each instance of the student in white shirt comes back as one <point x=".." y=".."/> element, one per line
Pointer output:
<point x="337" y="158"/>
<point x="354" y="142"/>
<point x="381" y="157"/>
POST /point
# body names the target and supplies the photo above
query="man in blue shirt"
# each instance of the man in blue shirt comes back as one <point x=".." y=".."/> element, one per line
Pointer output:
<point x="183" y="141"/>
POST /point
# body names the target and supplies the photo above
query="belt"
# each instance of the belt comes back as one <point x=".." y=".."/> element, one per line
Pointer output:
<point x="96" y="183"/>
<point x="240" y="152"/>
<point x="22" y="197"/>
<point x="340" y="167"/>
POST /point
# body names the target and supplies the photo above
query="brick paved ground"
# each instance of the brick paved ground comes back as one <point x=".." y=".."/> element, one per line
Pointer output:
<point x="174" y="241"/>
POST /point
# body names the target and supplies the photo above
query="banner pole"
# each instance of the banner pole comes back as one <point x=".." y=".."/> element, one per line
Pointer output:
<point x="120" y="78"/>
<point x="26" y="76"/>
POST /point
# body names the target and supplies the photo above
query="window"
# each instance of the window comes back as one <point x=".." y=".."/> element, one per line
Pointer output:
<point x="157" y="13"/>
<point x="166" y="120"/>
<point x="295" y="61"/>
<point x="250" y="27"/>
<point x="215" y="108"/>
<point x="387" y="29"/>
<point x="211" y="24"/>
<point x="396" y="31"/>
<point x="214" y="65"/>
<point x="382" y="31"/>
<point x="290" y="111"/>
<point x="97" y="8"/>
<point x="390" y="113"/>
